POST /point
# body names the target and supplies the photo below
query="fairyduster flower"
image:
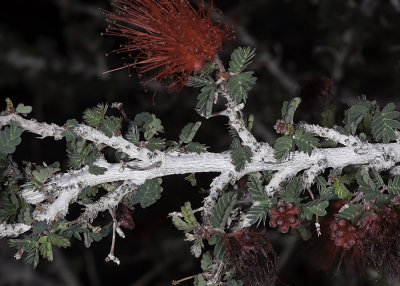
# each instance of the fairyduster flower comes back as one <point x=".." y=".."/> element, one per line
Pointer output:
<point x="252" y="255"/>
<point x="172" y="39"/>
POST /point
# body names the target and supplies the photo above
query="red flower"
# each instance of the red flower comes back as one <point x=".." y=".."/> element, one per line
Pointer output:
<point x="252" y="255"/>
<point x="173" y="39"/>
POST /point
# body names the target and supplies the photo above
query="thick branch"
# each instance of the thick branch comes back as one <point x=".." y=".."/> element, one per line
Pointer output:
<point x="68" y="186"/>
<point x="13" y="230"/>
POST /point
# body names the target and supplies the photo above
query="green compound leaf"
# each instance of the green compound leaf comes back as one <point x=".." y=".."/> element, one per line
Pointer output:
<point x="206" y="261"/>
<point x="59" y="240"/>
<point x="317" y="207"/>
<point x="10" y="206"/>
<point x="31" y="248"/>
<point x="340" y="189"/>
<point x="306" y="141"/>
<point x="79" y="153"/>
<point x="195" y="147"/>
<point x="133" y="134"/>
<point x="235" y="144"/>
<point x="71" y="123"/>
<point x="109" y="125"/>
<point x="283" y="145"/>
<point x="189" y="221"/>
<point x="149" y="123"/>
<point x="191" y="178"/>
<point x="206" y="100"/>
<point x="96" y="170"/>
<point x="198" y="81"/>
<point x="349" y="213"/>
<point x="45" y="248"/>
<point x="46" y="244"/>
<point x="23" y="109"/>
<point x="289" y="108"/>
<point x="188" y="215"/>
<point x="10" y="137"/>
<point x="148" y="193"/>
<point x="88" y="192"/>
<point x="384" y="123"/>
<point x="155" y="144"/>
<point x="69" y="135"/>
<point x="394" y="186"/>
<point x="42" y="174"/>
<point x="181" y="225"/>
<point x="196" y="247"/>
<point x="292" y="190"/>
<point x="240" y="156"/>
<point x="241" y="58"/>
<point x="240" y="85"/>
<point x="367" y="185"/>
<point x="258" y="212"/>
<point x="189" y="131"/>
<point x="355" y="115"/>
<point x="219" y="248"/>
<point x="223" y="209"/>
<point x="325" y="192"/>
<point x="94" y="116"/>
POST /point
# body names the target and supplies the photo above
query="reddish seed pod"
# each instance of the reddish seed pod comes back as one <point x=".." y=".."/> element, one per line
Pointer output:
<point x="285" y="228"/>
<point x="284" y="217"/>
<point x="289" y="206"/>
<point x="291" y="219"/>
<point x="280" y="221"/>
<point x="344" y="234"/>
<point x="281" y="210"/>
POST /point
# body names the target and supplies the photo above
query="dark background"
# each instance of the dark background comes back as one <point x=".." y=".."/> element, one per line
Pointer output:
<point x="52" y="57"/>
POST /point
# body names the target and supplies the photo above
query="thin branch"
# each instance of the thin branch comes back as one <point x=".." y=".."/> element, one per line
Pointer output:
<point x="344" y="139"/>
<point x="111" y="200"/>
<point x="83" y="131"/>
<point x="177" y="282"/>
<point x="217" y="185"/>
<point x="111" y="256"/>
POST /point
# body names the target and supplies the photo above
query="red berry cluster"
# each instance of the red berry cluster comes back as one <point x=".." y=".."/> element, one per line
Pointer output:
<point x="345" y="234"/>
<point x="284" y="217"/>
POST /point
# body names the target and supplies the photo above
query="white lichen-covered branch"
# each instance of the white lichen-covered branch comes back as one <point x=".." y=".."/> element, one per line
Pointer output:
<point x="81" y="130"/>
<point x="62" y="190"/>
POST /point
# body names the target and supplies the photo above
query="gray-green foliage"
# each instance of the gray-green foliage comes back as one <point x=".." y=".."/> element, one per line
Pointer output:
<point x="355" y="115"/>
<point x="289" y="108"/>
<point x="240" y="85"/>
<point x="240" y="156"/>
<point x="283" y="146"/>
<point x="384" y="124"/>
<point x="10" y="138"/>
<point x="149" y="192"/>
<point x="258" y="212"/>
<point x="305" y="141"/>
<point x="94" y="116"/>
<point x="223" y="209"/>
<point x="241" y="58"/>
<point x="189" y="131"/>
<point x="292" y="191"/>
<point x="349" y="212"/>
<point x="206" y="99"/>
